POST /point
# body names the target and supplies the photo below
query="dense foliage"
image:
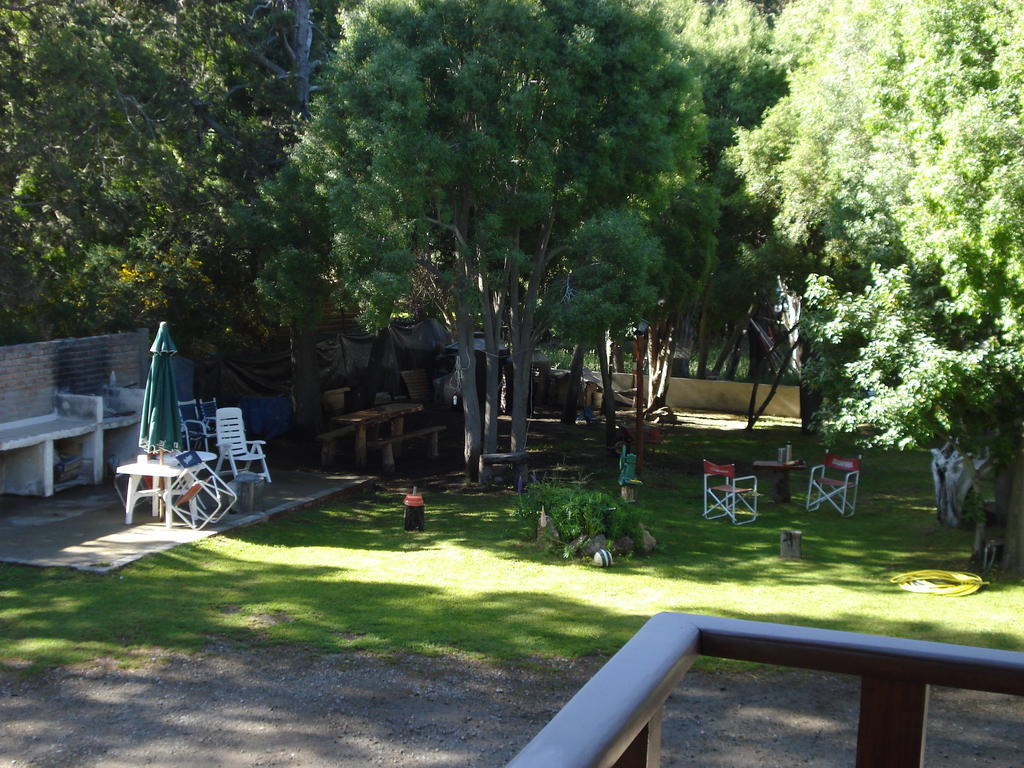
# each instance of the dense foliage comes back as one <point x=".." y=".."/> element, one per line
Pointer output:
<point x="898" y="158"/>
<point x="131" y="132"/>
<point x="502" y="149"/>
<point x="577" y="512"/>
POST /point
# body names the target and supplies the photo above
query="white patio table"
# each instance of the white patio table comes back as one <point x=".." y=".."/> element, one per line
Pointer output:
<point x="158" y="473"/>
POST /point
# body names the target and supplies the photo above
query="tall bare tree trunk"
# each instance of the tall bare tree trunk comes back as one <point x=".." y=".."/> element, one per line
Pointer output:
<point x="522" y="306"/>
<point x="491" y="314"/>
<point x="305" y="381"/>
<point x="618" y="356"/>
<point x="952" y="480"/>
<point x="522" y="358"/>
<point x="682" y="349"/>
<point x="704" y="333"/>
<point x="305" y="366"/>
<point x="572" y="395"/>
<point x="735" y="338"/>
<point x="752" y="415"/>
<point x="661" y="345"/>
<point x="470" y="402"/>
<point x="1013" y="553"/>
<point x="607" y="394"/>
<point x="302" y="44"/>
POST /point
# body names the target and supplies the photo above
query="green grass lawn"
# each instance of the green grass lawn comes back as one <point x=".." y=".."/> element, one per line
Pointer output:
<point x="348" y="575"/>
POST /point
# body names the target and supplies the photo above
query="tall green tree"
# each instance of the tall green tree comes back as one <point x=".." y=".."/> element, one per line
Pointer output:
<point x="712" y="225"/>
<point x="903" y="159"/>
<point x="477" y="139"/>
<point x="130" y="131"/>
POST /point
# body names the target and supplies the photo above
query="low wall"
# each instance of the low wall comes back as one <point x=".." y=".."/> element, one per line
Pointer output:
<point x="32" y="374"/>
<point x="723" y="396"/>
<point x="731" y="397"/>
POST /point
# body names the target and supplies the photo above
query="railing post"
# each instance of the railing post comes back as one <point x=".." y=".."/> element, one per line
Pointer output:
<point x="892" y="723"/>
<point x="645" y="750"/>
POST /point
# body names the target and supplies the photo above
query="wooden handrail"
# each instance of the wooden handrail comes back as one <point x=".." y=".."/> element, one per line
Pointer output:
<point x="615" y="719"/>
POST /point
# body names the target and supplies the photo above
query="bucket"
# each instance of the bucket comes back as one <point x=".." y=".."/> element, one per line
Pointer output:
<point x="248" y="486"/>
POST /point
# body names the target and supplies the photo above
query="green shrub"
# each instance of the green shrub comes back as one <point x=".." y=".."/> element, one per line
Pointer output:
<point x="577" y="511"/>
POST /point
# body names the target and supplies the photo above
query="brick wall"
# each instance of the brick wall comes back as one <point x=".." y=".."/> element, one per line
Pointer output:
<point x="31" y="374"/>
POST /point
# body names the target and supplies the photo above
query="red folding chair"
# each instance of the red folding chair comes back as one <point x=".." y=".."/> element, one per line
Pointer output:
<point x="838" y="488"/>
<point x="724" y="494"/>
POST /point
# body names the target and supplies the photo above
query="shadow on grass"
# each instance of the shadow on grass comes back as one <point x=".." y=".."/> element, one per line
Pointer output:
<point x="181" y="602"/>
<point x="296" y="579"/>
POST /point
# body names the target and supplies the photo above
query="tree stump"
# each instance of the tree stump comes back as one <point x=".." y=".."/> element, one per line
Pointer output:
<point x="789" y="544"/>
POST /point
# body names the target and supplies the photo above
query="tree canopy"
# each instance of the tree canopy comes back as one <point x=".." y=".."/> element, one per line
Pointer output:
<point x="130" y="133"/>
<point x="898" y="156"/>
<point x="494" y="145"/>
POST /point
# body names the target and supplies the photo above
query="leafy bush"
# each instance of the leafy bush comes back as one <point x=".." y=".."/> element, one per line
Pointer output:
<point x="577" y="511"/>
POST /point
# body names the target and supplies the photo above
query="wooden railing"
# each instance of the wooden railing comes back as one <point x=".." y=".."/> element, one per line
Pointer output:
<point x="615" y="719"/>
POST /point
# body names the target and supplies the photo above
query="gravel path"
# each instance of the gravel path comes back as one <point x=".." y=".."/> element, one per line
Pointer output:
<point x="285" y="707"/>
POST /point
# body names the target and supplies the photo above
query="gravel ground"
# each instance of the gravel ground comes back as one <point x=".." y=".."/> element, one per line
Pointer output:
<point x="286" y="707"/>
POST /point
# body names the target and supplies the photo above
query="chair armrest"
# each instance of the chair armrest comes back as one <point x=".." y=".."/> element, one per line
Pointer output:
<point x="746" y="477"/>
<point x="194" y="426"/>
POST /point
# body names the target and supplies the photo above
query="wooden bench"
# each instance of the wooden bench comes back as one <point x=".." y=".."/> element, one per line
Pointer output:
<point x="387" y="445"/>
<point x="514" y="461"/>
<point x="329" y="440"/>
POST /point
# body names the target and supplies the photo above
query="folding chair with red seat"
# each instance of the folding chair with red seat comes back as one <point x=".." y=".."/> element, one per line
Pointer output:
<point x="727" y="492"/>
<point x="839" y="489"/>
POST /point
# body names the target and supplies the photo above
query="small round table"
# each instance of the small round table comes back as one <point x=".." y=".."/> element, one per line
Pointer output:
<point x="780" y="488"/>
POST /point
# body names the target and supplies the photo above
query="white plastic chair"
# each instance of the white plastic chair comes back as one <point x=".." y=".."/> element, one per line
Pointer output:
<point x="233" y="446"/>
<point x="840" y="492"/>
<point x="723" y="498"/>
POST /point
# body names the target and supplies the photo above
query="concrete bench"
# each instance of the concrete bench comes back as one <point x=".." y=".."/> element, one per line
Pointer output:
<point x="387" y="445"/>
<point x="330" y="443"/>
<point x="31" y="449"/>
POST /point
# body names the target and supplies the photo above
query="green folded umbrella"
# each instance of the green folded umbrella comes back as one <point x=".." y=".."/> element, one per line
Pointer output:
<point x="161" y="423"/>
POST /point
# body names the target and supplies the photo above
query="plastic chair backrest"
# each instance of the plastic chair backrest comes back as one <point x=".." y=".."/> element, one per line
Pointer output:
<point x="724" y="470"/>
<point x="208" y="409"/>
<point x="189" y="410"/>
<point x="842" y="463"/>
<point x="231" y="430"/>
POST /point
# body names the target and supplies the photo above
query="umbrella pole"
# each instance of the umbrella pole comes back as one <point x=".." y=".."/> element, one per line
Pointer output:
<point x="161" y="507"/>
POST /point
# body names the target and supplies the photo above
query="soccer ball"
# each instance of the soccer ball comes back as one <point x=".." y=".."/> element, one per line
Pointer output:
<point x="603" y="558"/>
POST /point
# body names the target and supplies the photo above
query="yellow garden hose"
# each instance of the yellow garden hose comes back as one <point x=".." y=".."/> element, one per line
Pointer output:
<point x="945" y="583"/>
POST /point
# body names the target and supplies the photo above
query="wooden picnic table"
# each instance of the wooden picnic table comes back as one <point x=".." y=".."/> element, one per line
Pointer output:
<point x="370" y="419"/>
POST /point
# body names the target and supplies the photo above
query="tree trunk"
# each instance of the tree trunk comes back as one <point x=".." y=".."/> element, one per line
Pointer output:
<point x="737" y="354"/>
<point x="1013" y="551"/>
<point x="572" y="395"/>
<point x="733" y="341"/>
<point x="305" y="381"/>
<point x="301" y="47"/>
<point x="492" y="345"/>
<point x="607" y="395"/>
<point x="727" y="346"/>
<point x="704" y="334"/>
<point x="684" y="341"/>
<point x="752" y="417"/>
<point x="522" y="301"/>
<point x="618" y="357"/>
<point x="810" y="398"/>
<point x="952" y="483"/>
<point x="661" y="336"/>
<point x="470" y="402"/>
<point x="521" y="359"/>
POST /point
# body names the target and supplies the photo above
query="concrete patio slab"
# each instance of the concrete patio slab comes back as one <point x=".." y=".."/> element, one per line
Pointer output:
<point x="84" y="528"/>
